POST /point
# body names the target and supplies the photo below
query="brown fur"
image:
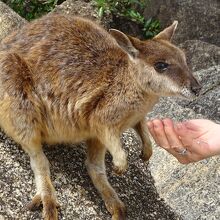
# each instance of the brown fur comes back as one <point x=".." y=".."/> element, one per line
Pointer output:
<point x="65" y="79"/>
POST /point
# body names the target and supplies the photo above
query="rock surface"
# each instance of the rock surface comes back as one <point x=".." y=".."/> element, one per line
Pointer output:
<point x="192" y="191"/>
<point x="197" y="19"/>
<point x="84" y="9"/>
<point x="9" y="20"/>
<point x="76" y="194"/>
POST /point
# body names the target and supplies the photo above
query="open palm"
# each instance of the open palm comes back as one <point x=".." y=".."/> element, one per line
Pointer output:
<point x="200" y="137"/>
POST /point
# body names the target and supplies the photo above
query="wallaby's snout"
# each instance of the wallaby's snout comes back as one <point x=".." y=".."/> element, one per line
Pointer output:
<point x="190" y="87"/>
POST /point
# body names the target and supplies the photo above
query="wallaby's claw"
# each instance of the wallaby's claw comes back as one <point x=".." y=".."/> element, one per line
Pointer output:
<point x="117" y="209"/>
<point x="145" y="157"/>
<point x="146" y="154"/>
<point x="119" y="170"/>
<point x="50" y="208"/>
<point x="119" y="216"/>
<point x="120" y="164"/>
<point x="35" y="203"/>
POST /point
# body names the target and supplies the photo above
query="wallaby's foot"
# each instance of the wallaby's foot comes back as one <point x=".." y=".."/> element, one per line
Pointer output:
<point x="146" y="153"/>
<point x="116" y="208"/>
<point x="50" y="208"/>
<point x="35" y="203"/>
<point x="49" y="203"/>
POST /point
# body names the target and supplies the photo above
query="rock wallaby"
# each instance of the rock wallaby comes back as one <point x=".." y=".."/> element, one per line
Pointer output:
<point x="64" y="79"/>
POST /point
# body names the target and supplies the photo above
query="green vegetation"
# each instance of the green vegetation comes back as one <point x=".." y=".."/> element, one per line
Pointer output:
<point x="129" y="9"/>
<point x="31" y="9"/>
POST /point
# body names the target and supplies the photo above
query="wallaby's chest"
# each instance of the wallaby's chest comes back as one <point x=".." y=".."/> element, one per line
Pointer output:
<point x="136" y="115"/>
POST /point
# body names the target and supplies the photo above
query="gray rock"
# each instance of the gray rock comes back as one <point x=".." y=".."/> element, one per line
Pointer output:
<point x="9" y="20"/>
<point x="201" y="55"/>
<point x="78" y="8"/>
<point x="84" y="9"/>
<point x="197" y="19"/>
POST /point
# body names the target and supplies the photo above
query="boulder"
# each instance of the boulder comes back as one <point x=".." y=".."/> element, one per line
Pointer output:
<point x="9" y="20"/>
<point x="83" y="8"/>
<point x="200" y="54"/>
<point x="198" y="20"/>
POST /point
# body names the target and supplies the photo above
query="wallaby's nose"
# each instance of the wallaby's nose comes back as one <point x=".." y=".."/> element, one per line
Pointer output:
<point x="196" y="87"/>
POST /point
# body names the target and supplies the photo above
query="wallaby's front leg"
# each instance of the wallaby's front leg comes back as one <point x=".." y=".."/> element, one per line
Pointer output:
<point x="111" y="140"/>
<point x="141" y="129"/>
<point x="95" y="164"/>
<point x="45" y="190"/>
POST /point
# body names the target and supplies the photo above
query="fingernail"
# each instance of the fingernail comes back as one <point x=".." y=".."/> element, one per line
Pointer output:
<point x="165" y="123"/>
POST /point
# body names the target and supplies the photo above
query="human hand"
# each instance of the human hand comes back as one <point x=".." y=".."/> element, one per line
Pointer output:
<point x="200" y="137"/>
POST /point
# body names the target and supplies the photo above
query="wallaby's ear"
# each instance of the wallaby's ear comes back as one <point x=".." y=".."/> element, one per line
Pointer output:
<point x="124" y="42"/>
<point x="168" y="32"/>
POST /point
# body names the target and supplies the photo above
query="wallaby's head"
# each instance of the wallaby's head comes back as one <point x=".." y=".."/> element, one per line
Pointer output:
<point x="161" y="67"/>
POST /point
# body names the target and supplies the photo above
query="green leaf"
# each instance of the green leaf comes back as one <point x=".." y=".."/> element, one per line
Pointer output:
<point x="101" y="12"/>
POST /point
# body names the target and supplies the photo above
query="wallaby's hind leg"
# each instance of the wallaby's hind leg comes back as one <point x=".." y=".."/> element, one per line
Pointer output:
<point x="20" y="117"/>
<point x="45" y="190"/>
<point x="95" y="164"/>
<point x="141" y="129"/>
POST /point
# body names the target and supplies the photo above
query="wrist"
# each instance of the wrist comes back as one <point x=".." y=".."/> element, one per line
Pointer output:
<point x="215" y="141"/>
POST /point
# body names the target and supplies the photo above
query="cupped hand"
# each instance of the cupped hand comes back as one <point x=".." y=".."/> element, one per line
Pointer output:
<point x="200" y="137"/>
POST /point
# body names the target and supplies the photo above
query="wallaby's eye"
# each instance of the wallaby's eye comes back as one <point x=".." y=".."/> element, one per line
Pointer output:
<point x="160" y="66"/>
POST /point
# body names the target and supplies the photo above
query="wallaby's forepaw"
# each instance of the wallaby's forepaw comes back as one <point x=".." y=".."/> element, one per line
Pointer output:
<point x="50" y="206"/>
<point x="120" y="163"/>
<point x="120" y="170"/>
<point x="117" y="209"/>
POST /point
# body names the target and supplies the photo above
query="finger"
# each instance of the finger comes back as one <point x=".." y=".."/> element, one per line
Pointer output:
<point x="150" y="127"/>
<point x="176" y="145"/>
<point x="171" y="135"/>
<point x="159" y="133"/>
<point x="151" y="130"/>
<point x="198" y="125"/>
<point x="155" y="128"/>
